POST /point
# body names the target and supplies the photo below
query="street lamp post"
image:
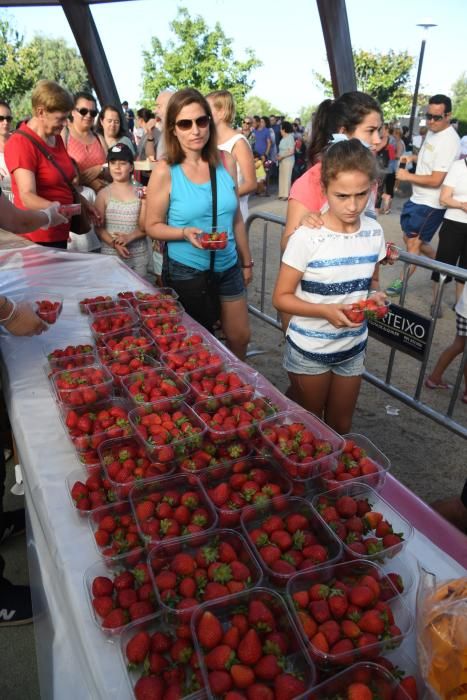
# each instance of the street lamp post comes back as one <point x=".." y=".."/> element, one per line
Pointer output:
<point x="426" y="26"/>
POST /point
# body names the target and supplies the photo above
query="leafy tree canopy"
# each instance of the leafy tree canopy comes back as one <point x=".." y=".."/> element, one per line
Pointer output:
<point x="18" y="63"/>
<point x="459" y="92"/>
<point x="197" y="57"/>
<point x="256" y="105"/>
<point x="385" y="76"/>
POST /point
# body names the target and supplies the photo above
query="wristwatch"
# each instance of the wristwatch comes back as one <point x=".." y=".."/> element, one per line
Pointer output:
<point x="251" y="264"/>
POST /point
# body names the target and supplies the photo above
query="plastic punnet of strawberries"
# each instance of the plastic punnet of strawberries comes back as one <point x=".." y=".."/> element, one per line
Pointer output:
<point x="349" y="611"/>
<point x="162" y="662"/>
<point x="248" y="648"/>
<point x="90" y="428"/>
<point x="83" y="386"/>
<point x="200" y="568"/>
<point x="168" y="433"/>
<point x="170" y="508"/>
<point x="123" y="595"/>
<point x="366" y="309"/>
<point x="115" y="531"/>
<point x="210" y="454"/>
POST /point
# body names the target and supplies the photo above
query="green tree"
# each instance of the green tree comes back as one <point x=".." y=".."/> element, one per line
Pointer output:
<point x="305" y="114"/>
<point x="55" y="60"/>
<point x="197" y="57"/>
<point x="256" y="105"/>
<point x="18" y="63"/>
<point x="385" y="76"/>
<point x="459" y="92"/>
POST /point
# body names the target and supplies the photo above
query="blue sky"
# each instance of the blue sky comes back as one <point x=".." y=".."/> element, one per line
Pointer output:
<point x="286" y="37"/>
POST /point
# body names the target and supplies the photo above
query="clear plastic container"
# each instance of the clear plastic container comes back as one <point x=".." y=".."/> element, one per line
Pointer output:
<point x="82" y="387"/>
<point x="124" y="367"/>
<point x="79" y="485"/>
<point x="81" y="346"/>
<point x="99" y="307"/>
<point x="254" y="407"/>
<point x="158" y="307"/>
<point x="253" y="518"/>
<point x="170" y="492"/>
<point x="296" y="658"/>
<point x="320" y="456"/>
<point x="129" y="342"/>
<point x="115" y="533"/>
<point x="162" y="555"/>
<point x="126" y="461"/>
<point x="156" y="385"/>
<point x="160" y="326"/>
<point x="231" y="377"/>
<point x="193" y="360"/>
<point x="183" y="339"/>
<point x="377" y="678"/>
<point x="158" y="293"/>
<point x="176" y="447"/>
<point x="328" y="478"/>
<point x="348" y="572"/>
<point x="362" y="492"/>
<point x="213" y="240"/>
<point x="111" y="322"/>
<point x="111" y="568"/>
<point x="85" y="302"/>
<point x="78" y="423"/>
<point x="271" y="483"/>
<point x="211" y="455"/>
<point x="85" y="359"/>
<point x="47" y="306"/>
<point x="157" y="625"/>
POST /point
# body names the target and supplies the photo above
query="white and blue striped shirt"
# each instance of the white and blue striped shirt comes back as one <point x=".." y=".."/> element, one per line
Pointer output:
<point x="337" y="269"/>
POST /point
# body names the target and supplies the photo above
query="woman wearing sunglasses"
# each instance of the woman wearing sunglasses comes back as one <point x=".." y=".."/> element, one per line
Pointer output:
<point x="180" y="208"/>
<point x="83" y="144"/>
<point x="5" y="133"/>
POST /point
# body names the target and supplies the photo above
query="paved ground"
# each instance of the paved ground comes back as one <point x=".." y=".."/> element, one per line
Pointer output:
<point x="429" y="459"/>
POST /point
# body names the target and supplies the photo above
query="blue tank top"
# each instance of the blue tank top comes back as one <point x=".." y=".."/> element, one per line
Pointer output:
<point x="191" y="205"/>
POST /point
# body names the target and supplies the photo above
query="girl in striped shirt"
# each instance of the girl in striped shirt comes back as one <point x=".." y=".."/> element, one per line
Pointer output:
<point x="323" y="272"/>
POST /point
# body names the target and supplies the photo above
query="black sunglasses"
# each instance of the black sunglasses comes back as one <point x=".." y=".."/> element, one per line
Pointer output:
<point x="84" y="112"/>
<point x="5" y="119"/>
<point x="186" y="124"/>
<point x="434" y="117"/>
<point x="247" y="123"/>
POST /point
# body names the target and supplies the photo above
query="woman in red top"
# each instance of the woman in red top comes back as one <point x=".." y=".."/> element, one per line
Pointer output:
<point x="36" y="182"/>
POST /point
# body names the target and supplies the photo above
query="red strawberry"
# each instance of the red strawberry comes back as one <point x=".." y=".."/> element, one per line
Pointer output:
<point x="350" y="629"/>
<point x="320" y="610"/>
<point x="361" y="596"/>
<point x="149" y="688"/>
<point x="138" y="647"/>
<point x="259" y="691"/>
<point x="219" y="658"/>
<point x="103" y="605"/>
<point x="359" y="691"/>
<point x="231" y="637"/>
<point x="220" y="682"/>
<point x="249" y="650"/>
<point x="102" y="586"/>
<point x="331" y="631"/>
<point x="338" y="603"/>
<point x="372" y="621"/>
<point x="409" y="684"/>
<point x="287" y="686"/>
<point x="267" y="668"/>
<point x="319" y="591"/>
<point x="183" y="564"/>
<point x="209" y="630"/>
<point x="320" y="642"/>
<point x="344" y="650"/>
<point x="242" y="676"/>
<point x="260" y="617"/>
<point x="116" y="618"/>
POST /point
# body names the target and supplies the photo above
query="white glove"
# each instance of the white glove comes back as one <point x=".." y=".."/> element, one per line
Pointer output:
<point x="54" y="216"/>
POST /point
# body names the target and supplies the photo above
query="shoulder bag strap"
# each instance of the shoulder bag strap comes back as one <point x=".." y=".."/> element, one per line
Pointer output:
<point x="49" y="157"/>
<point x="212" y="174"/>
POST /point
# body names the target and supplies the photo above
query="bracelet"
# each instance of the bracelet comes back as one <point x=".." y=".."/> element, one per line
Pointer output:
<point x="183" y="233"/>
<point x="49" y="218"/>
<point x="10" y="315"/>
<point x="251" y="264"/>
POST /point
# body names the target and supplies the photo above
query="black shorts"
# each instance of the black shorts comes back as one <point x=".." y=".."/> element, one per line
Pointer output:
<point x="452" y="246"/>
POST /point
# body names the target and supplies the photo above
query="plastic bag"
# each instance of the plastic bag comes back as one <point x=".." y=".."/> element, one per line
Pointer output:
<point x="442" y="635"/>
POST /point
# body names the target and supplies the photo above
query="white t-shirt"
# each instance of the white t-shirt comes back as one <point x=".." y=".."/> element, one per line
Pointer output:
<point x="461" y="306"/>
<point x="436" y="154"/>
<point x="228" y="147"/>
<point x="337" y="269"/>
<point x="457" y="179"/>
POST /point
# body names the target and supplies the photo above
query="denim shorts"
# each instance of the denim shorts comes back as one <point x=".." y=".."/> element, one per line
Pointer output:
<point x="296" y="363"/>
<point x="229" y="282"/>
<point x="420" y="221"/>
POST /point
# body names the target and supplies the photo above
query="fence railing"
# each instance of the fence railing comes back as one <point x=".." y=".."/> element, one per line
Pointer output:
<point x="384" y="383"/>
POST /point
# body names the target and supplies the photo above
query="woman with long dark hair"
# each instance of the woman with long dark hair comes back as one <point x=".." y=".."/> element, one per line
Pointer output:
<point x="180" y="208"/>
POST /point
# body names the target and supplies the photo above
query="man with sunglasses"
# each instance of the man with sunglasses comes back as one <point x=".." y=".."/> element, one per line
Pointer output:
<point x="422" y="214"/>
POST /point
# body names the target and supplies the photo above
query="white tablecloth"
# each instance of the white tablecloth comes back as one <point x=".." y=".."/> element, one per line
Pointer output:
<point x="75" y="659"/>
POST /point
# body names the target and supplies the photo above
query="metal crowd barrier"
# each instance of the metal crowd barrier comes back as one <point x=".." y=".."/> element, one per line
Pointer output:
<point x="413" y="400"/>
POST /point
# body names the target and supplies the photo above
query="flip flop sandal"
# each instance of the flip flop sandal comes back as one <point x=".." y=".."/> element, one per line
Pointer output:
<point x="432" y="385"/>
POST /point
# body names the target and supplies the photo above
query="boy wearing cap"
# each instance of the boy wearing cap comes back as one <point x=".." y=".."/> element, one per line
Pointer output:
<point x="123" y="212"/>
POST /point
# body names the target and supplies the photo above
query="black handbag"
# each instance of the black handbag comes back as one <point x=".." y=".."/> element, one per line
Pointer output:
<point x="79" y="223"/>
<point x="199" y="295"/>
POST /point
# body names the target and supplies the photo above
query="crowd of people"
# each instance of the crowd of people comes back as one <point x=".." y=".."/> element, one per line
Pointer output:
<point x="150" y="183"/>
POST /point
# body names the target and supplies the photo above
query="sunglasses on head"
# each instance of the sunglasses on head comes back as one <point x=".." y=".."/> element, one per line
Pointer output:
<point x="5" y="119"/>
<point x="84" y="112"/>
<point x="434" y="117"/>
<point x="186" y="124"/>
